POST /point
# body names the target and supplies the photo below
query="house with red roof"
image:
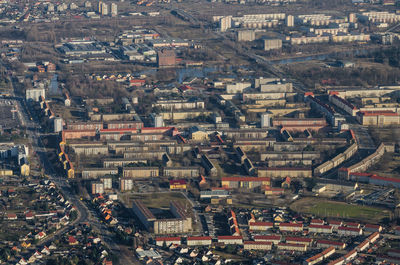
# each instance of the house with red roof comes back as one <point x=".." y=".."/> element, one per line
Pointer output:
<point x="199" y="241"/>
<point x="260" y="226"/>
<point x="12" y="216"/>
<point x="72" y="241"/>
<point x="40" y="235"/>
<point x="290" y="227"/>
<point x="168" y="241"/>
<point x="231" y="240"/>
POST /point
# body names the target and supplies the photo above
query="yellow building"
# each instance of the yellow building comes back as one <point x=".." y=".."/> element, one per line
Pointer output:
<point x="25" y="170"/>
<point x="178" y="184"/>
<point x="6" y="172"/>
<point x="199" y="135"/>
<point x="244" y="182"/>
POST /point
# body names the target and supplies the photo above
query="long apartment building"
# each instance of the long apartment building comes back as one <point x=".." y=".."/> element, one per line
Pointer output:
<point x="181" y="223"/>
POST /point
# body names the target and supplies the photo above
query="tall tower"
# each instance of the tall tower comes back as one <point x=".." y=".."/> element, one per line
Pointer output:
<point x="114" y="9"/>
<point x="290" y="21"/>
<point x="104" y="9"/>
<point x="100" y="7"/>
<point x="265" y="119"/>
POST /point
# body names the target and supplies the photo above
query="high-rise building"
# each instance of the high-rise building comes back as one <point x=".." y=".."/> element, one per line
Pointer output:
<point x="99" y="7"/>
<point x="166" y="58"/>
<point x="157" y="120"/>
<point x="58" y="124"/>
<point x="104" y="9"/>
<point x="114" y="9"/>
<point x="352" y="18"/>
<point x="265" y="119"/>
<point x="225" y="23"/>
<point x="290" y="21"/>
<point x="246" y="35"/>
<point x="272" y="44"/>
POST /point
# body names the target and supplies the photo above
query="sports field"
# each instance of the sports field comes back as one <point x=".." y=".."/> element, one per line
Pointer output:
<point x="154" y="200"/>
<point x="325" y="208"/>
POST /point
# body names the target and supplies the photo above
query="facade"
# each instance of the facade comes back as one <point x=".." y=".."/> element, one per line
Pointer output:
<point x="328" y="243"/>
<point x="246" y="35"/>
<point x="181" y="172"/>
<point x="349" y="231"/>
<point x="166" y="58"/>
<point x="181" y="223"/>
<point x="272" y="44"/>
<point x="277" y="172"/>
<point x="97" y="188"/>
<point x="253" y="245"/>
<point x="244" y="182"/>
<point x="208" y="165"/>
<point x="378" y="118"/>
<point x="265" y="120"/>
<point x="114" y="9"/>
<point x="58" y="124"/>
<point x="199" y="241"/>
<point x="34" y="94"/>
<point x="125" y="184"/>
<point x="178" y="184"/>
<point x="260" y="226"/>
<point x="290" y="227"/>
<point x="231" y="240"/>
<point x="160" y="241"/>
<point x="292" y="247"/>
<point x="107" y="182"/>
<point x="93" y="173"/>
<point x="320" y="229"/>
<point x="140" y="172"/>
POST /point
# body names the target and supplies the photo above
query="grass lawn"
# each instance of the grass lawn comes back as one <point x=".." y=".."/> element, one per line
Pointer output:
<point x="154" y="200"/>
<point x="325" y="208"/>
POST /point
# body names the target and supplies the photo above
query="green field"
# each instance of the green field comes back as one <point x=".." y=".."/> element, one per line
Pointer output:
<point x="324" y="208"/>
<point x="154" y="200"/>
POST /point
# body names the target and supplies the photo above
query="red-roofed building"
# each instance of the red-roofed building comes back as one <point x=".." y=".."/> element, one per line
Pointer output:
<point x="320" y="229"/>
<point x="290" y="227"/>
<point x="253" y="245"/>
<point x="244" y="182"/>
<point x="343" y="104"/>
<point x="335" y="223"/>
<point x="356" y="225"/>
<point x="269" y="238"/>
<point x="378" y="118"/>
<point x="177" y="184"/>
<point x="230" y="240"/>
<point x="384" y="181"/>
<point x="349" y="231"/>
<point x="292" y="247"/>
<point x="328" y="243"/>
<point x="372" y="228"/>
<point x="29" y="216"/>
<point x="199" y="241"/>
<point x="168" y="241"/>
<point x="12" y="216"/>
<point x="72" y="241"/>
<point x="260" y="226"/>
<point x="317" y="222"/>
<point x="137" y="82"/>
